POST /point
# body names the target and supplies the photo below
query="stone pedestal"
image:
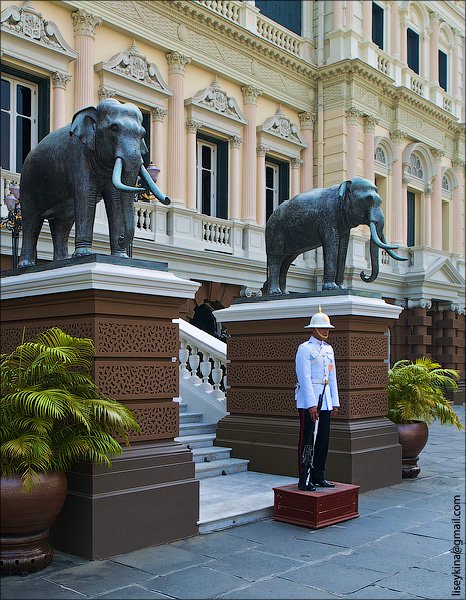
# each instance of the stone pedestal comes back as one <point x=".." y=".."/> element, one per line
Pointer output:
<point x="263" y="422"/>
<point x="150" y="495"/>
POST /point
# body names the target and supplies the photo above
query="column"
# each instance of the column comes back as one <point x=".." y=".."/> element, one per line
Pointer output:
<point x="437" y="202"/>
<point x="427" y="221"/>
<point x="352" y="115"/>
<point x="59" y="83"/>
<point x="294" y="179"/>
<point x="455" y="64"/>
<point x="396" y="196"/>
<point x="369" y="129"/>
<point x="84" y="31"/>
<point x="235" y="200"/>
<point x="250" y="94"/>
<point x="157" y="115"/>
<point x="458" y="209"/>
<point x="191" y="174"/>
<point x="337" y="14"/>
<point x="307" y="121"/>
<point x="260" y="191"/>
<point x="424" y="50"/>
<point x="176" y="131"/>
<point x="405" y="179"/>
<point x="403" y="26"/>
<point x="395" y="30"/>
<point x="366" y="21"/>
<point x="433" y="43"/>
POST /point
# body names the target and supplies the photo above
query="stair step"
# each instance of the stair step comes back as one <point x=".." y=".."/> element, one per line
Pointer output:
<point x="221" y="467"/>
<point x="190" y="417"/>
<point x="183" y="406"/>
<point x="212" y="453"/>
<point x="203" y="440"/>
<point x="196" y="428"/>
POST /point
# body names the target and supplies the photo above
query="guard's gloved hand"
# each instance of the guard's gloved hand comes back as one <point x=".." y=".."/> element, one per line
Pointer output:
<point x="335" y="411"/>
<point x="313" y="412"/>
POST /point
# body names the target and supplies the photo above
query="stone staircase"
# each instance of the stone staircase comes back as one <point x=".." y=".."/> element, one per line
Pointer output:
<point x="210" y="460"/>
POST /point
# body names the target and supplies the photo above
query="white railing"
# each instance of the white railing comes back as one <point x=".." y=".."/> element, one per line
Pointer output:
<point x="383" y="64"/>
<point x="278" y="36"/>
<point x="217" y="234"/>
<point x="447" y="104"/>
<point x="144" y="220"/>
<point x="203" y="362"/>
<point x="225" y="8"/>
<point x="417" y="86"/>
<point x="384" y="258"/>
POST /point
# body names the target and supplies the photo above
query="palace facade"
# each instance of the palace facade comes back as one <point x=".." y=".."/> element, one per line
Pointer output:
<point x="246" y="104"/>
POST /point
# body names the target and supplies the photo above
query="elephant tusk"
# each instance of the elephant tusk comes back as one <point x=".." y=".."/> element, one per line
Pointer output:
<point x="377" y="240"/>
<point x="116" y="178"/>
<point x="391" y="253"/>
<point x="153" y="188"/>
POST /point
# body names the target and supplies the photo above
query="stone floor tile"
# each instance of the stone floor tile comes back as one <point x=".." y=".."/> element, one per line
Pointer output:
<point x="99" y="576"/>
<point x="160" y="560"/>
<point x="214" y="545"/>
<point x="263" y="531"/>
<point x="131" y="592"/>
<point x="336" y="580"/>
<point x="278" y="589"/>
<point x="420" y="582"/>
<point x="37" y="589"/>
<point x="301" y="548"/>
<point x="416" y="545"/>
<point x="374" y="592"/>
<point x="194" y="583"/>
<point x="434" y="529"/>
<point x="443" y="563"/>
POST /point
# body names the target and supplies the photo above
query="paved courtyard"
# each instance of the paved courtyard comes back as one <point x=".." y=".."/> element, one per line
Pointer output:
<point x="400" y="547"/>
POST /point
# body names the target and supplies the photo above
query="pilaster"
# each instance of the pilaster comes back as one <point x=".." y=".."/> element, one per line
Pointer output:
<point x="249" y="211"/>
<point x="157" y="117"/>
<point x="437" y="201"/>
<point x="235" y="200"/>
<point x="192" y="127"/>
<point x="85" y="25"/>
<point x="59" y="83"/>
<point x="261" y="151"/>
<point x="307" y="121"/>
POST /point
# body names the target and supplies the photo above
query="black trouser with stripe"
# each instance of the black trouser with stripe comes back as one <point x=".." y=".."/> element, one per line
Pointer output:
<point x="306" y="433"/>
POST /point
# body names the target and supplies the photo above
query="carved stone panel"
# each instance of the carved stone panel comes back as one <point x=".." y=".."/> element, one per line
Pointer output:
<point x="12" y="334"/>
<point x="116" y="337"/>
<point x="157" y="420"/>
<point x="261" y="374"/>
<point x="125" y="380"/>
<point x="262" y="402"/>
<point x="265" y="347"/>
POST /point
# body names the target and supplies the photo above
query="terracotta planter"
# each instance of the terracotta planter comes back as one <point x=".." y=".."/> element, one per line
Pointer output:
<point x="26" y="518"/>
<point x="413" y="437"/>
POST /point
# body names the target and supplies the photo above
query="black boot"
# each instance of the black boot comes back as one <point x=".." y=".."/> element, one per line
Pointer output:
<point x="302" y="483"/>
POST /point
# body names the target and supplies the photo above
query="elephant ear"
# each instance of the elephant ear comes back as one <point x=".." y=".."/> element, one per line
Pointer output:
<point x="83" y="126"/>
<point x="343" y="189"/>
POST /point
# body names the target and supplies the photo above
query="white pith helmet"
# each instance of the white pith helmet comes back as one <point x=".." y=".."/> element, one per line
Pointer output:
<point x="319" y="320"/>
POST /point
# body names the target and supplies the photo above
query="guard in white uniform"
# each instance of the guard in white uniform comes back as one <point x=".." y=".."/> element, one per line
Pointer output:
<point x="316" y="373"/>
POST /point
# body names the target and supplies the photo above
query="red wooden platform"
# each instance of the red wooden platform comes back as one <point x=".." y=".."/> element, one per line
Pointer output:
<point x="325" y="506"/>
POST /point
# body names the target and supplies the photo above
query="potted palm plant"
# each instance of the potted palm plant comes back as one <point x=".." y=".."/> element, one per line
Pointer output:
<point x="51" y="415"/>
<point x="416" y="398"/>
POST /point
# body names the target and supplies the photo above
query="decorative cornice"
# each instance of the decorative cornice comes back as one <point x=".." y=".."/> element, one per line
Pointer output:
<point x="235" y="141"/>
<point x="192" y="126"/>
<point x="282" y="127"/>
<point x="85" y="23"/>
<point x="27" y="22"/>
<point x="60" y="80"/>
<point x="307" y="120"/>
<point x="177" y="63"/>
<point x="215" y="99"/>
<point x="250" y="94"/>
<point x="158" y="113"/>
<point x="369" y="123"/>
<point x="437" y="154"/>
<point x="103" y="93"/>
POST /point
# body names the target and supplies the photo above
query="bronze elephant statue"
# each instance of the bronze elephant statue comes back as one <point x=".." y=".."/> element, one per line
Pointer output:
<point x="99" y="155"/>
<point x="324" y="217"/>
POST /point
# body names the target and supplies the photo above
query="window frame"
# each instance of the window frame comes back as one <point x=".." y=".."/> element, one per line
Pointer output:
<point x="411" y="218"/>
<point x="282" y="192"/>
<point x="42" y="104"/>
<point x="378" y="28"/>
<point x="413" y="52"/>
<point x="219" y="179"/>
<point x="443" y="64"/>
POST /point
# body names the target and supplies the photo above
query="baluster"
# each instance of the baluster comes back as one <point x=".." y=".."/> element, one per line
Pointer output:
<point x="206" y="367"/>
<point x="194" y="364"/>
<point x="183" y="354"/>
<point x="217" y="375"/>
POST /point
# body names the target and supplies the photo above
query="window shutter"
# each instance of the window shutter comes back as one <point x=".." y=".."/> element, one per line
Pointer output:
<point x="442" y="69"/>
<point x="146" y="125"/>
<point x="222" y="180"/>
<point x="411" y="199"/>
<point x="413" y="50"/>
<point x="284" y="12"/>
<point x="284" y="182"/>
<point x="377" y="25"/>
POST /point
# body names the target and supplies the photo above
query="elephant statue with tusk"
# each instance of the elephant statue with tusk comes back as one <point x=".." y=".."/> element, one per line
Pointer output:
<point x="99" y="155"/>
<point x="324" y="217"/>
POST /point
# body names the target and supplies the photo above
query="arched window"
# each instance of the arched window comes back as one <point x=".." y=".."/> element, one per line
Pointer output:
<point x="380" y="155"/>
<point x="446" y="184"/>
<point x="415" y="166"/>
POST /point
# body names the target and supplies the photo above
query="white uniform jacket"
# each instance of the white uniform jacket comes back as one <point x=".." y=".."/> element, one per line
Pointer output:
<point x="315" y="362"/>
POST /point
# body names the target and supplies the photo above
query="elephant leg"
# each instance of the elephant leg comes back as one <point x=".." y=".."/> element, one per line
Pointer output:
<point x="341" y="261"/>
<point x="330" y="251"/>
<point x="60" y="230"/>
<point x="284" y="271"/>
<point x="114" y="209"/>
<point x="273" y="269"/>
<point x="84" y="207"/>
<point x="31" y="230"/>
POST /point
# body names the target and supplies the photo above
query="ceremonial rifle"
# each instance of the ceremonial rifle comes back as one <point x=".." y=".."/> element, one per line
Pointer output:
<point x="308" y="450"/>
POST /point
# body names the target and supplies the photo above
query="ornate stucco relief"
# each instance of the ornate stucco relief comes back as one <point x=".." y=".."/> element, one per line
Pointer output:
<point x="365" y="97"/>
<point x="334" y="93"/>
<point x="420" y="128"/>
<point x="282" y="127"/>
<point x="27" y="22"/>
<point x="215" y="99"/>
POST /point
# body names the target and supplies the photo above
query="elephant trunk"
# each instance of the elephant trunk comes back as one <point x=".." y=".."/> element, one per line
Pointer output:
<point x="116" y="178"/>
<point x="152" y="187"/>
<point x="374" y="254"/>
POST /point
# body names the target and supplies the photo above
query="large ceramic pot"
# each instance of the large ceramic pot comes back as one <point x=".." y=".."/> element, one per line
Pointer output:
<point x="26" y="518"/>
<point x="413" y="437"/>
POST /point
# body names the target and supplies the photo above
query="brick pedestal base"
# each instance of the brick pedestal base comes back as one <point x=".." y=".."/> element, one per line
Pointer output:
<point x="263" y="422"/>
